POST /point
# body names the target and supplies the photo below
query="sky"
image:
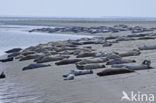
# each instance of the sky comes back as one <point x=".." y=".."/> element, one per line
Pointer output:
<point x="78" y="8"/>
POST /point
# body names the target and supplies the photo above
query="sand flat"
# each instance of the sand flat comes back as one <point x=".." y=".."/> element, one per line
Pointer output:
<point x="46" y="85"/>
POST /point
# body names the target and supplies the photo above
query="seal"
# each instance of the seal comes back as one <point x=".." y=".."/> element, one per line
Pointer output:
<point x="145" y="65"/>
<point x="69" y="77"/>
<point x="86" y="54"/>
<point x="45" y="59"/>
<point x="2" y="75"/>
<point x="34" y="66"/>
<point x="145" y="47"/>
<point x="67" y="61"/>
<point x="119" y="61"/>
<point x="7" y="60"/>
<point x="28" y="57"/>
<point x="115" y="71"/>
<point x="133" y="52"/>
<point x="95" y="60"/>
<point x="13" y="50"/>
<point x="90" y="66"/>
<point x="79" y="72"/>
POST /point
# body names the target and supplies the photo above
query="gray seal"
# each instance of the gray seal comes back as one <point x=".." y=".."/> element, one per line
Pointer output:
<point x="115" y="71"/>
<point x="34" y="66"/>
<point x="90" y="66"/>
<point x="67" y="61"/>
<point x="145" y="65"/>
<point x="119" y="61"/>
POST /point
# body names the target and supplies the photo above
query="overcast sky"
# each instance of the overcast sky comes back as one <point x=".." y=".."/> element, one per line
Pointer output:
<point x="78" y="8"/>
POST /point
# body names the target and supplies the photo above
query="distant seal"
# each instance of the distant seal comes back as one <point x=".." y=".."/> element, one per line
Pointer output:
<point x="107" y="44"/>
<point x="95" y="60"/>
<point x="2" y="75"/>
<point x="133" y="52"/>
<point x="28" y="57"/>
<point x="115" y="71"/>
<point x="45" y="59"/>
<point x="67" y="61"/>
<point x="79" y="72"/>
<point x="69" y="77"/>
<point x="145" y="65"/>
<point x="13" y="50"/>
<point x="90" y="66"/>
<point x="145" y="47"/>
<point x="87" y="54"/>
<point x="34" y="66"/>
<point x="119" y="61"/>
<point x="7" y="60"/>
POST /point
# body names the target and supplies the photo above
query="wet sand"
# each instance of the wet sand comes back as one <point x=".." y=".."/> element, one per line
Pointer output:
<point x="46" y="85"/>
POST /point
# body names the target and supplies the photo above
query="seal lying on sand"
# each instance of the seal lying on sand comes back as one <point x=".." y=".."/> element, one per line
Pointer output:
<point x="96" y="60"/>
<point x="28" y="57"/>
<point x="2" y="75"/>
<point x="147" y="47"/>
<point x="45" y="59"/>
<point x="112" y="55"/>
<point x="119" y="61"/>
<point x="87" y="54"/>
<point x="70" y="76"/>
<point x="107" y="72"/>
<point x="79" y="72"/>
<point x="67" y="61"/>
<point x="14" y="54"/>
<point x="107" y="44"/>
<point x="90" y="66"/>
<point x="33" y="66"/>
<point x="145" y="65"/>
<point x="13" y="50"/>
<point x="7" y="60"/>
<point x="134" y="52"/>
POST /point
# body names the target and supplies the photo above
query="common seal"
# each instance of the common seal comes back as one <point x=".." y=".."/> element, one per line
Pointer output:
<point x="145" y="47"/>
<point x="67" y="61"/>
<point x="87" y="54"/>
<point x="69" y="77"/>
<point x="119" y="61"/>
<point x="28" y="57"/>
<point x="79" y="72"/>
<point x="111" y="71"/>
<point x="2" y="75"/>
<point x="145" y="65"/>
<point x="14" y="54"/>
<point x="13" y="50"/>
<point x="133" y="52"/>
<point x="107" y="44"/>
<point x="45" y="59"/>
<point x="33" y="66"/>
<point x="90" y="66"/>
<point x="95" y="60"/>
<point x="7" y="60"/>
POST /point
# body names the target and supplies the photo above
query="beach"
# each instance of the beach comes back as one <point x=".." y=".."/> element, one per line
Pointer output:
<point x="46" y="85"/>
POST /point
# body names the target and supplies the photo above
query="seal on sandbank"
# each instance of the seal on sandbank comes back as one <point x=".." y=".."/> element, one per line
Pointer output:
<point x="67" y="61"/>
<point x="115" y="71"/>
<point x="34" y="66"/>
<point x="145" y="65"/>
<point x="90" y="66"/>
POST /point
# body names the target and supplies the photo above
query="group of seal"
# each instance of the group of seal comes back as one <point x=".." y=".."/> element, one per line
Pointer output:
<point x="81" y="52"/>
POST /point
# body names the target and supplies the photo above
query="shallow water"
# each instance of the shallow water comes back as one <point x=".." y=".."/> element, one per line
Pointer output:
<point x="17" y="36"/>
